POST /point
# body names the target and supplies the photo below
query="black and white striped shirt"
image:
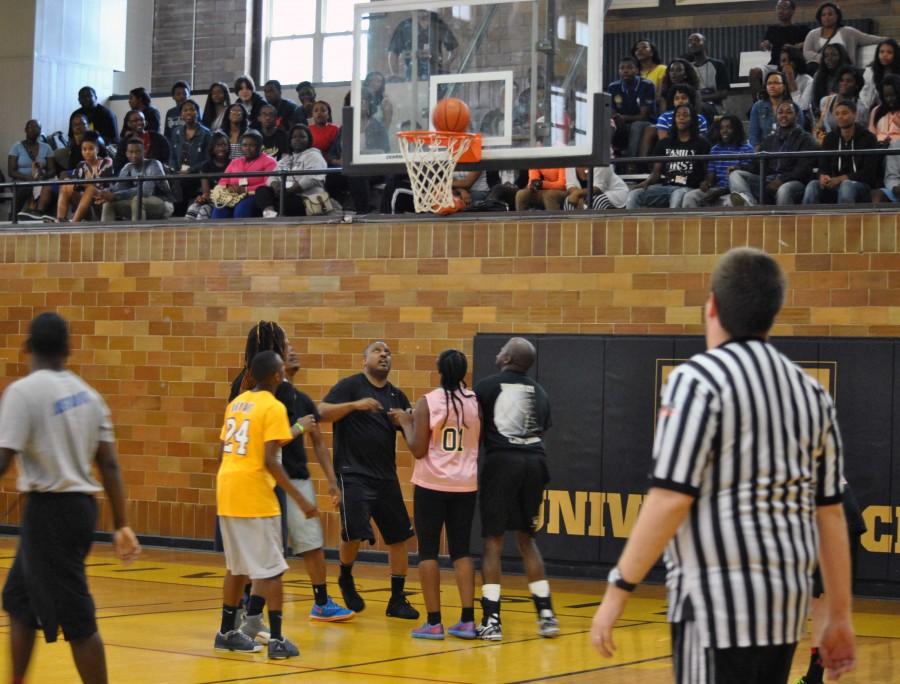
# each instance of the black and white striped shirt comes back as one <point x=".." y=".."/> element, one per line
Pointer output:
<point x="755" y="440"/>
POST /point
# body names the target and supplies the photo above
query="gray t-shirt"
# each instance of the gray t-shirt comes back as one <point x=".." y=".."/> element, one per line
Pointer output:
<point x="54" y="421"/>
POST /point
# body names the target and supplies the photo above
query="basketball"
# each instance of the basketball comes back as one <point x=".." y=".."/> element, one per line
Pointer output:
<point x="451" y="114"/>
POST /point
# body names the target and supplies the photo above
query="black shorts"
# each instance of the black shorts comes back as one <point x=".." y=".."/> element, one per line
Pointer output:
<point x="366" y="498"/>
<point x="433" y="510"/>
<point x="511" y="489"/>
<point x="46" y="587"/>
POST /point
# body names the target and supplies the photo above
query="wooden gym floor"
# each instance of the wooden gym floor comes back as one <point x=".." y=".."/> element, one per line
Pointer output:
<point x="158" y="618"/>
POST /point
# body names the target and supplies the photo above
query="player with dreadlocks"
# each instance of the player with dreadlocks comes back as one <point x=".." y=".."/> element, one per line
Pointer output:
<point x="443" y="434"/>
<point x="302" y="535"/>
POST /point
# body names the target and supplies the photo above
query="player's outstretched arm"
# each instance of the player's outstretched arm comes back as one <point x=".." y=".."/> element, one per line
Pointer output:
<point x="331" y="413"/>
<point x="273" y="465"/>
<point x="125" y="541"/>
<point x="837" y="646"/>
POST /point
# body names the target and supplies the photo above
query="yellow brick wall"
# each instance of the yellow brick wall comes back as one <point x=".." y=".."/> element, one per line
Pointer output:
<point x="159" y="316"/>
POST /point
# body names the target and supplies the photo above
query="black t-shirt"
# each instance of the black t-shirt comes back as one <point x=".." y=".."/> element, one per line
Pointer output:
<point x="365" y="442"/>
<point x="276" y="145"/>
<point x="685" y="171"/>
<point x="515" y="412"/>
<point x="779" y="36"/>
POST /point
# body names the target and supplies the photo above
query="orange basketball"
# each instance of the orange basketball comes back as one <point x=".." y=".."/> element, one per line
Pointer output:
<point x="451" y="114"/>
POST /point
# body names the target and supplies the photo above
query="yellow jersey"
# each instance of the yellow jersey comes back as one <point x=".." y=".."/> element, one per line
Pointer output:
<point x="244" y="486"/>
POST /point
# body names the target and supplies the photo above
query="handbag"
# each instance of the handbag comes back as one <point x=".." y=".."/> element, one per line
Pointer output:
<point x="226" y="196"/>
<point x="318" y="203"/>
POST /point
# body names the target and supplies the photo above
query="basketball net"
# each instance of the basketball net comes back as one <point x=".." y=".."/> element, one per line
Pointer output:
<point x="431" y="158"/>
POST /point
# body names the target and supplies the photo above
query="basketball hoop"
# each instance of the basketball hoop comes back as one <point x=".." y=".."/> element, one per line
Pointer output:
<point x="431" y="157"/>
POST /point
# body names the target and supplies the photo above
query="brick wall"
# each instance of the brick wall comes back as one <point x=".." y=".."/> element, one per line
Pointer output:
<point x="159" y="316"/>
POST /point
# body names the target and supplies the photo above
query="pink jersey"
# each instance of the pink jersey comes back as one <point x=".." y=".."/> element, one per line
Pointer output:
<point x="451" y="464"/>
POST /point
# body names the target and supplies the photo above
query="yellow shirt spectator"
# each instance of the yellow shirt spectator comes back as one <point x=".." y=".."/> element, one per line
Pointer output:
<point x="244" y="486"/>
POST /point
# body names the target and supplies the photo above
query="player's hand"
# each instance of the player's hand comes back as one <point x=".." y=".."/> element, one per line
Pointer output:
<point x="334" y="493"/>
<point x="605" y="618"/>
<point x="308" y="507"/>
<point x="367" y="404"/>
<point x="837" y="648"/>
<point x="308" y="422"/>
<point x="126" y="544"/>
<point x="400" y="417"/>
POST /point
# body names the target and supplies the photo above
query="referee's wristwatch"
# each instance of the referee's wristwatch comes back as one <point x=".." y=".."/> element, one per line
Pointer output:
<point x="615" y="578"/>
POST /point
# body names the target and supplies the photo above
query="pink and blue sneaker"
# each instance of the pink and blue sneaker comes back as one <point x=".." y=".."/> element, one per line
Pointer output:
<point x="463" y="630"/>
<point x="330" y="612"/>
<point x="427" y="631"/>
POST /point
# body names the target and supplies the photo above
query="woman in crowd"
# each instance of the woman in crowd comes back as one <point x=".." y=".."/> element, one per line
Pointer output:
<point x="217" y="161"/>
<point x="648" y="57"/>
<point x="323" y="130"/>
<point x="887" y="61"/>
<point x="762" y="114"/>
<point x="236" y="123"/>
<point x="378" y="107"/>
<point x="831" y="31"/>
<point x="245" y="90"/>
<point x="139" y="99"/>
<point x="679" y="72"/>
<point x="94" y="164"/>
<point x="217" y="101"/>
<point x="679" y="95"/>
<point x="252" y="160"/>
<point x="798" y="83"/>
<point x="850" y="82"/>
<point x="610" y="191"/>
<point x="32" y="160"/>
<point x="884" y="122"/>
<point x="190" y="149"/>
<point x="834" y="58"/>
<point x="67" y="158"/>
<point x="155" y="145"/>
<point x="303" y="157"/>
<point x="181" y="91"/>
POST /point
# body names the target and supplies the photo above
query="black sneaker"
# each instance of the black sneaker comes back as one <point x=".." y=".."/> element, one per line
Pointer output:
<point x="352" y="599"/>
<point x="29" y="215"/>
<point x="401" y="608"/>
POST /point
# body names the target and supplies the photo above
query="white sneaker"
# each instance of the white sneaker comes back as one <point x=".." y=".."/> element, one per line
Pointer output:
<point x="270" y="213"/>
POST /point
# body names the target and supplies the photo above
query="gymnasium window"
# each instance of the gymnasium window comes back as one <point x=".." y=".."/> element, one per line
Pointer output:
<point x="309" y="40"/>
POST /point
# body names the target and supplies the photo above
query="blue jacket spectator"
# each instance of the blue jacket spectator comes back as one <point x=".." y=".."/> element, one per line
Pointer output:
<point x="181" y="91"/>
<point x="633" y="106"/>
<point x="190" y="141"/>
<point x="762" y="114"/>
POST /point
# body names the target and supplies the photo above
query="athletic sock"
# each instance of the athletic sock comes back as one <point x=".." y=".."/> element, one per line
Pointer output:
<point x="816" y="671"/>
<point x="540" y="594"/>
<point x="434" y="618"/>
<point x="321" y="594"/>
<point x="490" y="601"/>
<point x="467" y="615"/>
<point x="275" y="624"/>
<point x="347" y="571"/>
<point x="398" y="582"/>
<point x="229" y="613"/>
<point x="255" y="605"/>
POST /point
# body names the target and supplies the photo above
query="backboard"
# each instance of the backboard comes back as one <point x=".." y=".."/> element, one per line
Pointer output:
<point x="528" y="70"/>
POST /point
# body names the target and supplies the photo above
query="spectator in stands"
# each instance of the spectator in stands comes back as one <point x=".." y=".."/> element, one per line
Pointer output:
<point x="778" y="36"/>
<point x="891" y="190"/>
<point x="378" y="107"/>
<point x="846" y="179"/>
<point x="470" y="186"/>
<point x="831" y="31"/>
<point x="434" y="38"/>
<point x="95" y="163"/>
<point x="323" y="130"/>
<point x="32" y="160"/>
<point x="714" y="189"/>
<point x="633" y="106"/>
<point x="245" y="90"/>
<point x="139" y="100"/>
<point x="236" y="123"/>
<point x="155" y="145"/>
<point x="99" y="118"/>
<point x="190" y="150"/>
<point x="799" y="84"/>
<point x="651" y="64"/>
<point x="218" y="100"/>
<point x="762" y="114"/>
<point x="284" y="109"/>
<point x="306" y="94"/>
<point x="785" y="177"/>
<point x="302" y="157"/>
<point x="122" y="201"/>
<point x="69" y="158"/>
<point x="850" y="82"/>
<point x="884" y="123"/>
<point x="219" y="158"/>
<point x="679" y="95"/>
<point x="679" y="72"/>
<point x="251" y="161"/>
<point x="275" y="140"/>
<point x="887" y="61"/>
<point x="834" y="58"/>
<point x="181" y="91"/>
<point x="609" y="191"/>
<point x="714" y="84"/>
<point x="669" y="182"/>
<point x="546" y="190"/>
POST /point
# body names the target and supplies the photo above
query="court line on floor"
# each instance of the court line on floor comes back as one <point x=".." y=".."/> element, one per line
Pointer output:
<point x="593" y="669"/>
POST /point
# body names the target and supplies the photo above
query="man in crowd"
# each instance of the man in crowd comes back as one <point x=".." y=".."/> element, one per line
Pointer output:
<point x="891" y="190"/>
<point x="99" y="118"/>
<point x="275" y="141"/>
<point x="181" y="91"/>
<point x="633" y="106"/>
<point x="284" y="109"/>
<point x="713" y="75"/>
<point x="785" y="32"/>
<point x="122" y="200"/>
<point x="306" y="94"/>
<point x="433" y="38"/>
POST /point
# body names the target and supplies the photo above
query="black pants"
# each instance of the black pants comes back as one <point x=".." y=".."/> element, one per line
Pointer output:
<point x="266" y="197"/>
<point x="433" y="511"/>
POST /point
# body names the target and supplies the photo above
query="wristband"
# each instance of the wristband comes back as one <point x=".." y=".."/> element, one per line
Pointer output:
<point x="615" y="578"/>
<point x="301" y="428"/>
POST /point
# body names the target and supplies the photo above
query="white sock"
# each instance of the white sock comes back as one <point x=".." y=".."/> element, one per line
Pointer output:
<point x="541" y="588"/>
<point x="491" y="592"/>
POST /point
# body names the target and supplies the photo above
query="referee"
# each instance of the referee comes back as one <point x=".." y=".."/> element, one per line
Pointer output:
<point x="745" y="493"/>
<point x="58" y="426"/>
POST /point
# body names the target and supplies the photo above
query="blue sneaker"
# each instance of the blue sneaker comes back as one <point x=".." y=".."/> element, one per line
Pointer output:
<point x="463" y="630"/>
<point x="427" y="631"/>
<point x="330" y="612"/>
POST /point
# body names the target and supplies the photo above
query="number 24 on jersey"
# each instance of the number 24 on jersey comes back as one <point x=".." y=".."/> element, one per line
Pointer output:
<point x="236" y="434"/>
